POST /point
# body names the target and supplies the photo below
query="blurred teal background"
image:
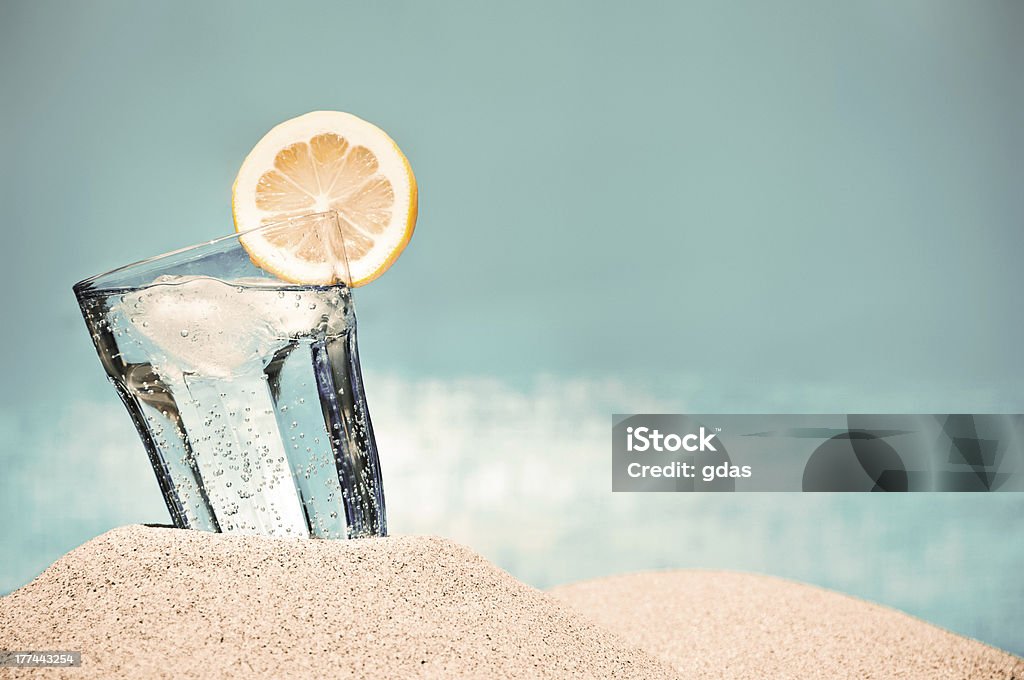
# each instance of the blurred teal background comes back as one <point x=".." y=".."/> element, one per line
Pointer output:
<point x="764" y="207"/>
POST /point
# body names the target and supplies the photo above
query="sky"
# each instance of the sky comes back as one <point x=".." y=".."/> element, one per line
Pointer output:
<point x="794" y="207"/>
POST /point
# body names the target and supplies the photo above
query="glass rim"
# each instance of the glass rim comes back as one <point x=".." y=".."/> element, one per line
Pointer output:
<point x="87" y="282"/>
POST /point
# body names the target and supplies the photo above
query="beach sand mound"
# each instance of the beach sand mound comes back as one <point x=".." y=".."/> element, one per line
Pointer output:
<point x="730" y="625"/>
<point x="155" y="602"/>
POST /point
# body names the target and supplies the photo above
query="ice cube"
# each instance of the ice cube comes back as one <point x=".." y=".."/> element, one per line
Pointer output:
<point x="218" y="329"/>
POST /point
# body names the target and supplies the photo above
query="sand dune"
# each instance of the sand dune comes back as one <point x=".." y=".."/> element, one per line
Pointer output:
<point x="144" y="602"/>
<point x="149" y="602"/>
<point x="729" y="625"/>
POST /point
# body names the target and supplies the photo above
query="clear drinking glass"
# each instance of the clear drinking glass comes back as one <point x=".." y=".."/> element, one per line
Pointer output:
<point x="245" y="389"/>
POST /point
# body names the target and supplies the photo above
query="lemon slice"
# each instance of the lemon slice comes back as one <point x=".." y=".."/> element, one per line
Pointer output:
<point x="326" y="160"/>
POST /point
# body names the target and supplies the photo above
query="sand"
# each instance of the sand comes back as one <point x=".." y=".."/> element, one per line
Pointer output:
<point x="153" y="602"/>
<point x="730" y="625"/>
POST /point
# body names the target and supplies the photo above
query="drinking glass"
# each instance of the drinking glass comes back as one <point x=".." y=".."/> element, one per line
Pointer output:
<point x="245" y="389"/>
